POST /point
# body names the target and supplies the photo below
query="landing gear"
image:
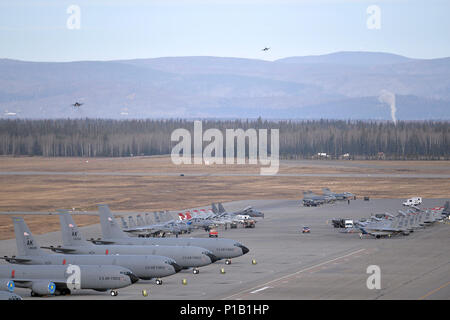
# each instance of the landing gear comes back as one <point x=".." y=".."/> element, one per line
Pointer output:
<point x="114" y="293"/>
<point x="228" y="261"/>
<point x="64" y="292"/>
<point x="159" y="282"/>
<point x="196" y="271"/>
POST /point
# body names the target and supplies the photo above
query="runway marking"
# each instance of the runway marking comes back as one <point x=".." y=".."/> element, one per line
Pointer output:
<point x="295" y="273"/>
<point x="434" y="291"/>
<point x="258" y="290"/>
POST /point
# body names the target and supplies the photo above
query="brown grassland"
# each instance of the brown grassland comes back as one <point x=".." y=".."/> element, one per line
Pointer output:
<point x="46" y="193"/>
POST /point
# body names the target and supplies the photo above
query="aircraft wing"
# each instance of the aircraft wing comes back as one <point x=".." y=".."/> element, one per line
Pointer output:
<point x="15" y="260"/>
<point x="98" y="241"/>
<point x="59" y="249"/>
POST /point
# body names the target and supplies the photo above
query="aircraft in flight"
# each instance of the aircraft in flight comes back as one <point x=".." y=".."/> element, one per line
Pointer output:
<point x="77" y="104"/>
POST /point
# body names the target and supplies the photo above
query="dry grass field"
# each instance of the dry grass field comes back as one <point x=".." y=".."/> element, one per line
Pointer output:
<point x="171" y="192"/>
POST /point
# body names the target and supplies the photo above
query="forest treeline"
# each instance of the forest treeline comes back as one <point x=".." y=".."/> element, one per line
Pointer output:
<point x="298" y="139"/>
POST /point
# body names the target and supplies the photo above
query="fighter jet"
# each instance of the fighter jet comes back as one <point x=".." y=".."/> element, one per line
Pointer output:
<point x="221" y="248"/>
<point x="161" y="228"/>
<point x="198" y="220"/>
<point x="265" y="49"/>
<point x="143" y="266"/>
<point x="338" y="196"/>
<point x="53" y="280"/>
<point x="77" y="104"/>
<point x="248" y="211"/>
<point x="74" y="243"/>
<point x="311" y="199"/>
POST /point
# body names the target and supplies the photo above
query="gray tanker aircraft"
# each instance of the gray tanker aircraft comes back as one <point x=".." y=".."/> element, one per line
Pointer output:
<point x="52" y="280"/>
<point x="221" y="248"/>
<point x="143" y="266"/>
<point x="74" y="243"/>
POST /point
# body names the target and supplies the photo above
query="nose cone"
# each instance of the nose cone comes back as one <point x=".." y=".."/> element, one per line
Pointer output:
<point x="133" y="277"/>
<point x="212" y="257"/>
<point x="177" y="267"/>
<point x="244" y="249"/>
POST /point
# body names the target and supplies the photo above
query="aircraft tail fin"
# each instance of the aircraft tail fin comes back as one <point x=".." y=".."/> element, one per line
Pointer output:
<point x="140" y="220"/>
<point x="214" y="208"/>
<point x="124" y="223"/>
<point x="221" y="208"/>
<point x="110" y="228"/>
<point x="26" y="245"/>
<point x="71" y="235"/>
<point x="131" y="222"/>
<point x="447" y="206"/>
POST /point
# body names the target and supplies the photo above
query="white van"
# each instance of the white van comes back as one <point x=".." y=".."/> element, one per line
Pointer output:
<point x="349" y="223"/>
<point x="413" y="201"/>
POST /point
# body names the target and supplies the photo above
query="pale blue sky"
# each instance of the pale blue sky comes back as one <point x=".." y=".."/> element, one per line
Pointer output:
<point x="125" y="29"/>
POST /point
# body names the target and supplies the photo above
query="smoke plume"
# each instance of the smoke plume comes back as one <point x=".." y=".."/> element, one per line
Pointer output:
<point x="389" y="98"/>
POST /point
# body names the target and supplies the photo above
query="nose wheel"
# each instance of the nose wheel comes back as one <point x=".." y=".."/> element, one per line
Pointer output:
<point x="228" y="261"/>
<point x="114" y="293"/>
<point x="159" y="282"/>
<point x="196" y="271"/>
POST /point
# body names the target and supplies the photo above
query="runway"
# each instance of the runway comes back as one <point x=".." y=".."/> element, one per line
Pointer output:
<point x="227" y="174"/>
<point x="324" y="264"/>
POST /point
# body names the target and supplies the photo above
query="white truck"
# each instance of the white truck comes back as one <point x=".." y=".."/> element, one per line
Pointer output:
<point x="414" y="201"/>
<point x="349" y="223"/>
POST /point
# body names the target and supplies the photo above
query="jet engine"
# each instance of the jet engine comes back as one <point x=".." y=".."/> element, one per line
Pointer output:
<point x="43" y="288"/>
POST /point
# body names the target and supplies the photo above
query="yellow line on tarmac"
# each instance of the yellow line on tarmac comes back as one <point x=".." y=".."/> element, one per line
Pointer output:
<point x="434" y="291"/>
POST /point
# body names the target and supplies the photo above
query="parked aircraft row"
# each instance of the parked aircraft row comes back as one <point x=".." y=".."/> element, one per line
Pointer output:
<point x="187" y="221"/>
<point x="312" y="199"/>
<point x="405" y="222"/>
<point x="110" y="263"/>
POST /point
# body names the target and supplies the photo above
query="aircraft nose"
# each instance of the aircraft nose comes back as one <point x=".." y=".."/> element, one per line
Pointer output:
<point x="133" y="277"/>
<point x="212" y="257"/>
<point x="177" y="267"/>
<point x="244" y="249"/>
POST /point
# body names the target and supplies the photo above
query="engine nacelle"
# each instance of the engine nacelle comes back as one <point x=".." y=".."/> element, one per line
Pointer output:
<point x="7" y="285"/>
<point x="43" y="288"/>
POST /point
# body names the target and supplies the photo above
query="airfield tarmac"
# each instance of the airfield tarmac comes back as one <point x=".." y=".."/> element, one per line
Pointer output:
<point x="324" y="264"/>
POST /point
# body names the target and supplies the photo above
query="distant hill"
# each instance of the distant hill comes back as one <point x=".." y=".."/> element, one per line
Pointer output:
<point x="342" y="85"/>
<point x="353" y="58"/>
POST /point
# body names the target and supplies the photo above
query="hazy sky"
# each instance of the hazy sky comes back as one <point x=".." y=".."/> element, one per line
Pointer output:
<point x="126" y="29"/>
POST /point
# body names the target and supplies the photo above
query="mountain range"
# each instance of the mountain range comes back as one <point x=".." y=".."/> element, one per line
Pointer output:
<point x="342" y="85"/>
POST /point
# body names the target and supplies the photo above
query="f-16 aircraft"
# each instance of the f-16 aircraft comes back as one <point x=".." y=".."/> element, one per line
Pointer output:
<point x="143" y="266"/>
<point x="338" y="196"/>
<point x="248" y="211"/>
<point x="161" y="228"/>
<point x="184" y="256"/>
<point x="77" y="104"/>
<point x="265" y="49"/>
<point x="221" y="248"/>
<point x="404" y="223"/>
<point x="49" y="280"/>
<point x="311" y="199"/>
